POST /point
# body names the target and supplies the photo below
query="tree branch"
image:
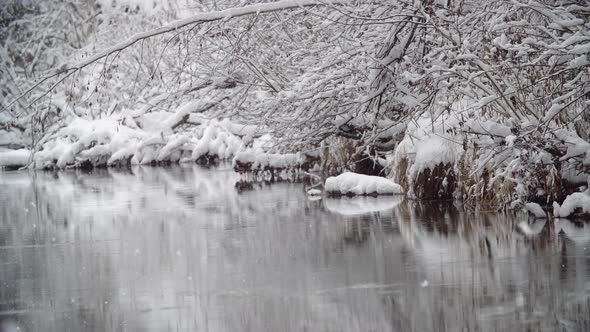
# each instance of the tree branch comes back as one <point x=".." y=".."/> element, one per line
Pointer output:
<point x="173" y="26"/>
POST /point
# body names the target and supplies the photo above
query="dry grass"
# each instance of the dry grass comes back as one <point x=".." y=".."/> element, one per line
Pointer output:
<point x="400" y="172"/>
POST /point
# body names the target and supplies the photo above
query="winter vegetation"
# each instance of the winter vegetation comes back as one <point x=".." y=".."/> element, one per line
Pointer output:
<point x="358" y="184"/>
<point x="482" y="101"/>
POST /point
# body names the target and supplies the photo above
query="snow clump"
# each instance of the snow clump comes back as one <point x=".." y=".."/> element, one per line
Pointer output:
<point x="359" y="184"/>
<point x="314" y="192"/>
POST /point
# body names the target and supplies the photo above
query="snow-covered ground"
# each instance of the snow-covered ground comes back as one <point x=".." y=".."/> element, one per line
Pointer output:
<point x="314" y="192"/>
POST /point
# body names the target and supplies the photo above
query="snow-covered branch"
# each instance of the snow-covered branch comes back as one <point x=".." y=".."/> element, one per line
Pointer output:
<point x="225" y="14"/>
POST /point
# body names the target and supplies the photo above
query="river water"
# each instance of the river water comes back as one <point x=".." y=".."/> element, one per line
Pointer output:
<point x="183" y="249"/>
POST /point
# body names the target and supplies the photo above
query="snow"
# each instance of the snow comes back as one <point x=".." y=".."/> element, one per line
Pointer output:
<point x="536" y="210"/>
<point x="552" y="112"/>
<point x="576" y="145"/>
<point x="178" y="24"/>
<point x="240" y="129"/>
<point x="121" y="155"/>
<point x="354" y="206"/>
<point x="180" y="113"/>
<point x="580" y="61"/>
<point x="486" y="100"/>
<point x="360" y="184"/>
<point x="572" y="203"/>
<point x="151" y="7"/>
<point x="174" y="143"/>
<point x="14" y="158"/>
<point x="556" y="208"/>
<point x="216" y="141"/>
<point x="108" y="142"/>
<point x="314" y="192"/>
<point x="433" y="151"/>
<point x="510" y="139"/>
<point x="260" y="160"/>
<point x="245" y="157"/>
<point x="278" y="160"/>
<point x="13" y="138"/>
<point x="92" y="140"/>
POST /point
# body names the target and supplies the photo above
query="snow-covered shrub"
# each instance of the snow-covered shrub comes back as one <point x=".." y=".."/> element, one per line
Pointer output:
<point x="109" y="142"/>
<point x="513" y="96"/>
<point x="427" y="157"/>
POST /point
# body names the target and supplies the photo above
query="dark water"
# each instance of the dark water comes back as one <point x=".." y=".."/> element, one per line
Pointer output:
<point x="180" y="249"/>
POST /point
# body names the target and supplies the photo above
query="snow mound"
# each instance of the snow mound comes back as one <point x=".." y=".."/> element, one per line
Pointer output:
<point x="354" y="206"/>
<point x="572" y="203"/>
<point x="314" y="192"/>
<point x="115" y="141"/>
<point x="358" y="184"/>
<point x="14" y="158"/>
<point x="215" y="141"/>
<point x="536" y="210"/>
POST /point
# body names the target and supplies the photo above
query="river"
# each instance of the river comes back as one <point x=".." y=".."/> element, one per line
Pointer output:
<point x="183" y="249"/>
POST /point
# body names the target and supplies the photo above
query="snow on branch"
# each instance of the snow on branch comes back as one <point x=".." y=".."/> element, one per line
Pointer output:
<point x="170" y="27"/>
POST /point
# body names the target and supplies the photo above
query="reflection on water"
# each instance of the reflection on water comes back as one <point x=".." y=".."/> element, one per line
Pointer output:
<point x="184" y="249"/>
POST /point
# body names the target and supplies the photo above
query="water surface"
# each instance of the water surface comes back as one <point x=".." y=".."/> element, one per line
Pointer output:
<point x="183" y="249"/>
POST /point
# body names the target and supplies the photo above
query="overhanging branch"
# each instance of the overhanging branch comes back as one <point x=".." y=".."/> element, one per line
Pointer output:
<point x="173" y="26"/>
